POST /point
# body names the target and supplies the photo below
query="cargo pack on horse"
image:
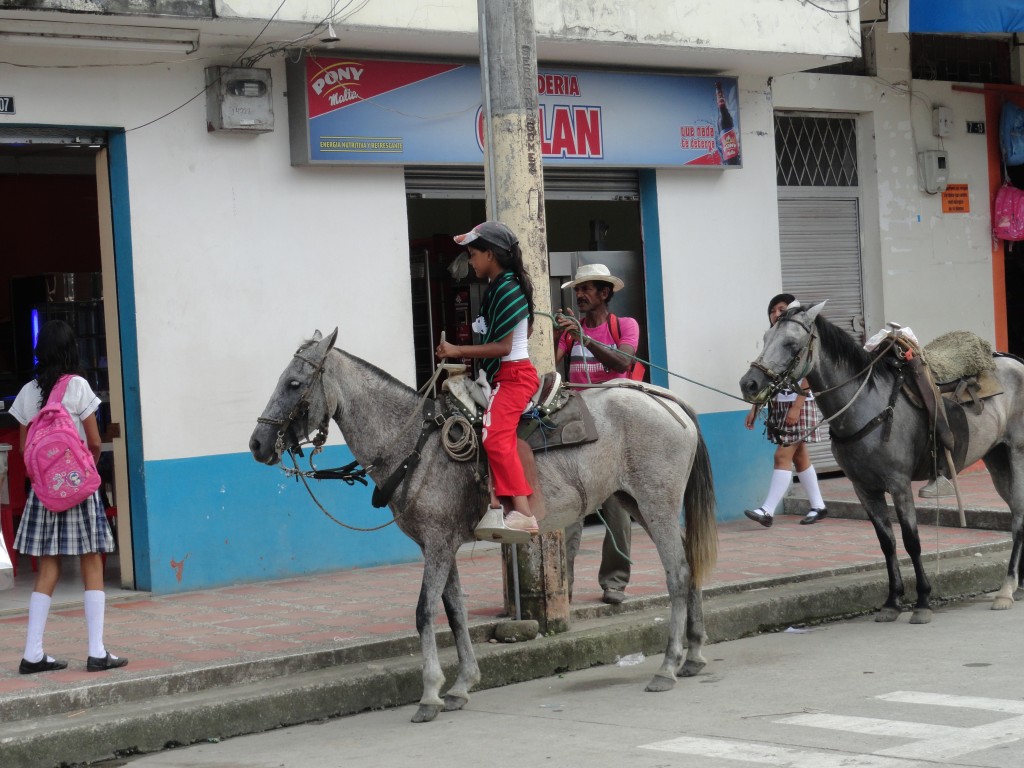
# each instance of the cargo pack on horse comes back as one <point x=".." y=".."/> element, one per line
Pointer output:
<point x="649" y="455"/>
<point x="881" y="434"/>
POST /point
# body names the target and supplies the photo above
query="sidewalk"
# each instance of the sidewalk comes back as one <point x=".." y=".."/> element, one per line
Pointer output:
<point x="264" y="624"/>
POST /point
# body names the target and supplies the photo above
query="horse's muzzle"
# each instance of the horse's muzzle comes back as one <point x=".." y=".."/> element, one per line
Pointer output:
<point x="755" y="386"/>
<point x="262" y="447"/>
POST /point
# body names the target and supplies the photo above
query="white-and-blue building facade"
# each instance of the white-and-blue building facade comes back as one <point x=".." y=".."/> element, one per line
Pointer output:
<point x="224" y="252"/>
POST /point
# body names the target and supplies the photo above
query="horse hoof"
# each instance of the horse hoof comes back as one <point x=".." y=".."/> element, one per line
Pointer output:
<point x="887" y="614"/>
<point x="1002" y="603"/>
<point x="426" y="713"/>
<point x="692" y="668"/>
<point x="1018" y="594"/>
<point x="453" y="703"/>
<point x="660" y="684"/>
<point x="922" y="616"/>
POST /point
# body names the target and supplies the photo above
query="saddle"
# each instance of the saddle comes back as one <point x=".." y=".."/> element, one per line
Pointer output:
<point x="956" y="370"/>
<point x="554" y="417"/>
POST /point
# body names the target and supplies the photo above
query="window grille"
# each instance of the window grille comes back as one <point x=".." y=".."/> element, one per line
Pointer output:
<point x="815" y="151"/>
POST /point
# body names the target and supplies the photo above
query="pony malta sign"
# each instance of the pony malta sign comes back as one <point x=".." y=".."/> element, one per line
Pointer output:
<point x="353" y="110"/>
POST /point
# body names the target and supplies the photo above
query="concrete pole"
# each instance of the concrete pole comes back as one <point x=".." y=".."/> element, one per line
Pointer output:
<point x="515" y="195"/>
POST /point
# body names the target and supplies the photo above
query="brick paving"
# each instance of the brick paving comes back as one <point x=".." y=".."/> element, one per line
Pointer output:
<point x="258" y="621"/>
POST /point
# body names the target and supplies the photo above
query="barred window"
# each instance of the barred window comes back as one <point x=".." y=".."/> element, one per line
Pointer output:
<point x="815" y="151"/>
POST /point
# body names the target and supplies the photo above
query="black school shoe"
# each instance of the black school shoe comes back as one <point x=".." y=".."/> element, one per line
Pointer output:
<point x="43" y="665"/>
<point x="814" y="516"/>
<point x="96" y="664"/>
<point x="759" y="516"/>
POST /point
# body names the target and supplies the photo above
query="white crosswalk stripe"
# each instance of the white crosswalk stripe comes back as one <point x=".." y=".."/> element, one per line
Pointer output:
<point x="927" y="744"/>
<point x="771" y="754"/>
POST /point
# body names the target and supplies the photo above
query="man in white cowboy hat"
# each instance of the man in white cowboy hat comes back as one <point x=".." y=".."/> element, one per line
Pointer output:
<point x="599" y="346"/>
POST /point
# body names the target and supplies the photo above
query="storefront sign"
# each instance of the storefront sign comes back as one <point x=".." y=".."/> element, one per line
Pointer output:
<point x="956" y="199"/>
<point x="354" y="111"/>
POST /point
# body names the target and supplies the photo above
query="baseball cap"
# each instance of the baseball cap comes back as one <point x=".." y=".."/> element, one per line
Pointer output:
<point x="494" y="232"/>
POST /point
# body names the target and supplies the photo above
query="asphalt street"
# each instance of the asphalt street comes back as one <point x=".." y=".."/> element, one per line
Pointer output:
<point x="852" y="694"/>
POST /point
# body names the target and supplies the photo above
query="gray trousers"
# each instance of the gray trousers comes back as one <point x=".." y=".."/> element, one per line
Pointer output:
<point x="614" y="570"/>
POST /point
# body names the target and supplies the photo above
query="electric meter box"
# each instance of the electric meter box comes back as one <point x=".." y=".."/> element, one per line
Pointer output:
<point x="942" y="122"/>
<point x="933" y="170"/>
<point x="239" y="100"/>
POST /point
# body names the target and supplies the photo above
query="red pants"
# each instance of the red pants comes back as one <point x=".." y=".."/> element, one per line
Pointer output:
<point x="514" y="385"/>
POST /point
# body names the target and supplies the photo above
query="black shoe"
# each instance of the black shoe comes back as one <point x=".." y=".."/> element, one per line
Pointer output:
<point x="43" y="665"/>
<point x="613" y="596"/>
<point x="760" y="516"/>
<point x="814" y="516"/>
<point x="96" y="664"/>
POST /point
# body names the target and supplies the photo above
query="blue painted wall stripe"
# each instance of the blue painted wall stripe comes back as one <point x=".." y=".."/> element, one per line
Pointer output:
<point x="221" y="520"/>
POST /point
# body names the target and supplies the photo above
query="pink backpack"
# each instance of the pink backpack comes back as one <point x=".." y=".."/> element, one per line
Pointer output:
<point x="1008" y="213"/>
<point x="57" y="460"/>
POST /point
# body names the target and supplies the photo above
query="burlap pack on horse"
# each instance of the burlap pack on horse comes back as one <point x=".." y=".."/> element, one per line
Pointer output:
<point x="962" y="366"/>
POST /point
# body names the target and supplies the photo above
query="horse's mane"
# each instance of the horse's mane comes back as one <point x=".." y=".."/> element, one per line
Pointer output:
<point x="837" y="345"/>
<point x="369" y="368"/>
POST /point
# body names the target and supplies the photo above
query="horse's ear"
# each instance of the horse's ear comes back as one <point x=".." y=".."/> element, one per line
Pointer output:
<point x="333" y="337"/>
<point x="813" y="311"/>
<point x="317" y="335"/>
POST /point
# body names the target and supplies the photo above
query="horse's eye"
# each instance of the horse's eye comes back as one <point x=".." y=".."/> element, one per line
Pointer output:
<point x="294" y="384"/>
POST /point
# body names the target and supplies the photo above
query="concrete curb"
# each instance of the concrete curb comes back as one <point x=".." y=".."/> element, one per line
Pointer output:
<point x="150" y="714"/>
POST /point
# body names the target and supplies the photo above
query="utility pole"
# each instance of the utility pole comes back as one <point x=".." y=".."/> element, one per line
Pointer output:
<point x="535" y="572"/>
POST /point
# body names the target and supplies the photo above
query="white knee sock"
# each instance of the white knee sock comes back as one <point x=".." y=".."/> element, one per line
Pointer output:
<point x="809" y="480"/>
<point x="781" y="479"/>
<point x="38" y="611"/>
<point x="95" y="603"/>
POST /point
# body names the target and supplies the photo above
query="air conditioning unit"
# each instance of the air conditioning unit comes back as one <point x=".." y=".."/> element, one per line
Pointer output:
<point x="239" y="100"/>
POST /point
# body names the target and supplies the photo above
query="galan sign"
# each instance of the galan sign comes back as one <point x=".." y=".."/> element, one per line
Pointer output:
<point x="357" y="111"/>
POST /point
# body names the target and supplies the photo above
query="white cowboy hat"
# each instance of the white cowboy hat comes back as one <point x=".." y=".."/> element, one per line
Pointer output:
<point x="599" y="272"/>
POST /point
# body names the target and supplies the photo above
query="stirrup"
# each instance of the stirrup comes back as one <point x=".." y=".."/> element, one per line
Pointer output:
<point x="492" y="528"/>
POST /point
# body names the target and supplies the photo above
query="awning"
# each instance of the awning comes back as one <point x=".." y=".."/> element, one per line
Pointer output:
<point x="965" y="17"/>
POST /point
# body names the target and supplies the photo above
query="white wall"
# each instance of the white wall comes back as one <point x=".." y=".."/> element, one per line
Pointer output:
<point x="237" y="255"/>
<point x="785" y="26"/>
<point x="926" y="269"/>
<point x="720" y="254"/>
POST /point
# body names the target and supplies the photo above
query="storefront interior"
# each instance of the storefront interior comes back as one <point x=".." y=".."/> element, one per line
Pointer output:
<point x="584" y="228"/>
<point x="51" y="270"/>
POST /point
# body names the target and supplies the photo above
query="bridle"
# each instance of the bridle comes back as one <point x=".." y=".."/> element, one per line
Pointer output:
<point x="787" y="379"/>
<point x="286" y="426"/>
<point x="804" y="359"/>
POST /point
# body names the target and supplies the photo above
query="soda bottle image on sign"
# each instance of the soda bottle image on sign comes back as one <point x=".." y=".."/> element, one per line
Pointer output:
<point x="728" y="139"/>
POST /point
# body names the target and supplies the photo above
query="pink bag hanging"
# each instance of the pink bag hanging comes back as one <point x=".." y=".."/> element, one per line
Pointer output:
<point x="57" y="460"/>
<point x="1008" y="213"/>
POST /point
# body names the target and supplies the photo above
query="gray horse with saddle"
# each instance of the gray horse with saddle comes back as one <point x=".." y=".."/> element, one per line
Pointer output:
<point x="900" y="413"/>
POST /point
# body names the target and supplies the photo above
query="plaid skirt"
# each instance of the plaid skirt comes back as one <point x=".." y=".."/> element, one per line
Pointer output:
<point x="779" y="433"/>
<point x="78" y="531"/>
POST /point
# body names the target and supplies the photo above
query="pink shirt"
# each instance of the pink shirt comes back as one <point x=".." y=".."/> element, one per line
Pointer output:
<point x="584" y="367"/>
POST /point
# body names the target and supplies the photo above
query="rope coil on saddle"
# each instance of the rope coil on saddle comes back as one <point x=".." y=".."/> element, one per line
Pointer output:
<point x="460" y="446"/>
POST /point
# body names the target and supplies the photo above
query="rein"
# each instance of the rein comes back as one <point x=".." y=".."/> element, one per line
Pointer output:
<point x="351" y="473"/>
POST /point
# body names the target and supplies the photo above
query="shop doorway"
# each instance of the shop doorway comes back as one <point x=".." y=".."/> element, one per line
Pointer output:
<point x="59" y="264"/>
<point x="591" y="217"/>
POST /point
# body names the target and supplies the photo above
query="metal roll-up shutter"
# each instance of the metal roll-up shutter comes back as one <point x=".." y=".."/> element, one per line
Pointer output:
<point x="559" y="183"/>
<point x="821" y="259"/>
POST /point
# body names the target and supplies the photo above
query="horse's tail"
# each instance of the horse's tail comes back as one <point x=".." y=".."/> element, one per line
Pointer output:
<point x="701" y="537"/>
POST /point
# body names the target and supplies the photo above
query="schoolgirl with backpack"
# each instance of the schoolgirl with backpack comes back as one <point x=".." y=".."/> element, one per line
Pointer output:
<point x="64" y="513"/>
